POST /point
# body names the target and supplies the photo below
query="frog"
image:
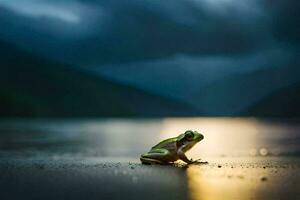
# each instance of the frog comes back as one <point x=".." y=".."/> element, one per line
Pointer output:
<point x="173" y="149"/>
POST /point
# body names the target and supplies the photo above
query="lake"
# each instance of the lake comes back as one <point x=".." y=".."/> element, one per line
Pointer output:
<point x="131" y="137"/>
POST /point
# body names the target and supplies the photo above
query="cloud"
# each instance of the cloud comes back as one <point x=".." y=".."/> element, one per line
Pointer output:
<point x="160" y="29"/>
<point x="284" y="20"/>
<point x="91" y="32"/>
<point x="138" y="30"/>
<point x="34" y="8"/>
<point x="62" y="19"/>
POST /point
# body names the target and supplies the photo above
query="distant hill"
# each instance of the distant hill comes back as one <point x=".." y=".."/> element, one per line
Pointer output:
<point x="233" y="94"/>
<point x="31" y="86"/>
<point x="283" y="102"/>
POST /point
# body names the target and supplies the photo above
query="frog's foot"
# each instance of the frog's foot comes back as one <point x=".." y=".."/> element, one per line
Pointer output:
<point x="198" y="162"/>
<point x="201" y="163"/>
<point x="150" y="161"/>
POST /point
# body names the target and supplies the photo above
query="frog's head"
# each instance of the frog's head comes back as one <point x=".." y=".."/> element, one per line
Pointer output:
<point x="189" y="139"/>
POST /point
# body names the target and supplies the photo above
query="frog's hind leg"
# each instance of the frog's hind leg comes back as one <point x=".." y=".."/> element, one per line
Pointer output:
<point x="150" y="161"/>
<point x="157" y="156"/>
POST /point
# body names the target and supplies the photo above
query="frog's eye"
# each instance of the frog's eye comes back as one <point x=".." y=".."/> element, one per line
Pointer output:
<point x="189" y="135"/>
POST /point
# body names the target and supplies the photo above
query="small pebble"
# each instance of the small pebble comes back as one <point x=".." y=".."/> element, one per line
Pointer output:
<point x="263" y="178"/>
<point x="219" y="166"/>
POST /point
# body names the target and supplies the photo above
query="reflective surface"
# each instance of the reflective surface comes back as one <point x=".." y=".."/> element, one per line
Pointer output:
<point x="131" y="137"/>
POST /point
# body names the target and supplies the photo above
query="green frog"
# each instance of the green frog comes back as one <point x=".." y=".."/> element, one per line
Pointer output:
<point x="170" y="150"/>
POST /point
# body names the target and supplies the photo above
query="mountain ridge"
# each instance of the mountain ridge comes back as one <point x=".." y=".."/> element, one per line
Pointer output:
<point x="283" y="102"/>
<point x="231" y="95"/>
<point x="34" y="86"/>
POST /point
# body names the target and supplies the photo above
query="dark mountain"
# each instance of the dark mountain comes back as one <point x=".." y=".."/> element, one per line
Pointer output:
<point x="284" y="102"/>
<point x="32" y="86"/>
<point x="233" y="94"/>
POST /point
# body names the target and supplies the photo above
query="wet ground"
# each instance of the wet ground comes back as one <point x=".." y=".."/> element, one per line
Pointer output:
<point x="93" y="178"/>
<point x="98" y="159"/>
<point x="89" y="179"/>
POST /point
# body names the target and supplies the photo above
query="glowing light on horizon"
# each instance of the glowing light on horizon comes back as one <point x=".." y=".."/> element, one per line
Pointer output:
<point x="221" y="138"/>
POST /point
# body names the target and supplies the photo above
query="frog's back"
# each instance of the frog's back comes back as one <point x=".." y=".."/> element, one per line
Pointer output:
<point x="165" y="143"/>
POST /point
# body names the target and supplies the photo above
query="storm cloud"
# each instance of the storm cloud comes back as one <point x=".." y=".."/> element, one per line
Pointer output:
<point x="102" y="32"/>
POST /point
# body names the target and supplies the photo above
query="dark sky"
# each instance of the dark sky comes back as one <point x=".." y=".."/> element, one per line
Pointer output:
<point x="171" y="47"/>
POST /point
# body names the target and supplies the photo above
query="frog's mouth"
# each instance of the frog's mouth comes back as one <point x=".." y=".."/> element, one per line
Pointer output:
<point x="199" y="138"/>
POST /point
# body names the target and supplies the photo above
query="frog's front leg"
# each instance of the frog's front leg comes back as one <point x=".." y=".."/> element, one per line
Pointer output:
<point x="183" y="157"/>
<point x="157" y="156"/>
